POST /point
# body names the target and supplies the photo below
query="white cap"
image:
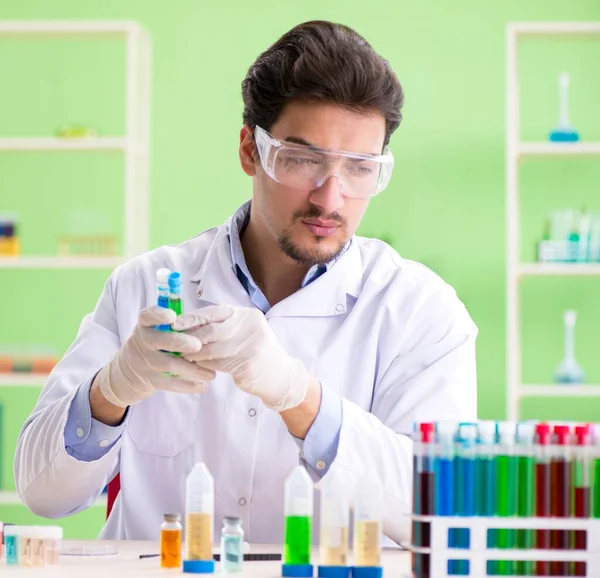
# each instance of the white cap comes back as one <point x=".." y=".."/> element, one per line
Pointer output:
<point x="14" y="530"/>
<point x="570" y="317"/>
<point x="526" y="432"/>
<point x="447" y="428"/>
<point x="487" y="430"/>
<point x="50" y="532"/>
<point x="595" y="433"/>
<point x="507" y="431"/>
<point x="162" y="275"/>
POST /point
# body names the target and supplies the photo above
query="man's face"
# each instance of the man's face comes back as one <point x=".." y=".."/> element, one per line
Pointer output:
<point x="313" y="226"/>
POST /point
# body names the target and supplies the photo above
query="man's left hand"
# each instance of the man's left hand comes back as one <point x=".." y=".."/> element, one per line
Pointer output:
<point x="239" y="341"/>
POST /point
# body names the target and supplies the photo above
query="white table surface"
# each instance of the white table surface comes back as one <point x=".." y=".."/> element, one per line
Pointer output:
<point x="396" y="563"/>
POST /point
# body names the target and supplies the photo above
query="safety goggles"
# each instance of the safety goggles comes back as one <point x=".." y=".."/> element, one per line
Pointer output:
<point x="307" y="168"/>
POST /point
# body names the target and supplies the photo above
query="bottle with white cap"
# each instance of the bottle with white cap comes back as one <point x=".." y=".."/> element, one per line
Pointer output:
<point x="199" y="513"/>
<point x="12" y="544"/>
<point x="335" y="522"/>
<point x="298" y="511"/>
<point x="368" y="516"/>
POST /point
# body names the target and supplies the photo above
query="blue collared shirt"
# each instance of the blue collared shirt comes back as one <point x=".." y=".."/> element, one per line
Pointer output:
<point x="87" y="439"/>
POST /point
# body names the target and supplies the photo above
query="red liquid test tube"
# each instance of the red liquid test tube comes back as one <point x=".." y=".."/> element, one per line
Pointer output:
<point x="542" y="491"/>
<point x="423" y="495"/>
<point x="561" y="475"/>
<point x="582" y="491"/>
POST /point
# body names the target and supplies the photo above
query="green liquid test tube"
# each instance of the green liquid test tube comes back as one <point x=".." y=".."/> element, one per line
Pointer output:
<point x="298" y="496"/>
<point x="595" y="498"/>
<point x="526" y="493"/>
<point x="506" y="491"/>
<point x="175" y="296"/>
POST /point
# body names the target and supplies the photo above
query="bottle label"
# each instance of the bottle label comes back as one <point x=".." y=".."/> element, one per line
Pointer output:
<point x="232" y="546"/>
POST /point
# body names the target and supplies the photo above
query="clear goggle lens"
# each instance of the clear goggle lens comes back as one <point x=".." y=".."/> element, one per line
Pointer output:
<point x="307" y="168"/>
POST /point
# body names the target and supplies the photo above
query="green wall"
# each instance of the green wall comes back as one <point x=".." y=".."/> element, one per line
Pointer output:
<point x="445" y="205"/>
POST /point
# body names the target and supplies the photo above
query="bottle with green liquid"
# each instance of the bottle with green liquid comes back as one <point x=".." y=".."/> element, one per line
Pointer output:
<point x="298" y="511"/>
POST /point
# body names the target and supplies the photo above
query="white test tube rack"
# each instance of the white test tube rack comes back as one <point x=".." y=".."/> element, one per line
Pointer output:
<point x="478" y="554"/>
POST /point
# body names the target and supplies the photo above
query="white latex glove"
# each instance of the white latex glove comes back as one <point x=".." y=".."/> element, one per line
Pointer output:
<point x="138" y="369"/>
<point x="239" y="341"/>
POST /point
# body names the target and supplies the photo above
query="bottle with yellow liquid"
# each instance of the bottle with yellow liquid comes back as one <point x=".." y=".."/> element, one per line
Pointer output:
<point x="335" y="522"/>
<point x="368" y="512"/>
<point x="199" y="512"/>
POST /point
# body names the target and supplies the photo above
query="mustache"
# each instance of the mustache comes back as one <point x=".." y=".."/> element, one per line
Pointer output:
<point x="316" y="213"/>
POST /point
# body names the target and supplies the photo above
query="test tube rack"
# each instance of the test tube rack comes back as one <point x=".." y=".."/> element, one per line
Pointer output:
<point x="479" y="554"/>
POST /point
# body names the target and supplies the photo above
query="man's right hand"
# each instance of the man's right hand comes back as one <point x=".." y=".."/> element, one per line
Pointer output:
<point x="138" y="369"/>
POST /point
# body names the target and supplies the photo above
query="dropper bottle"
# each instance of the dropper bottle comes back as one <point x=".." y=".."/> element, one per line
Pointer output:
<point x="199" y="513"/>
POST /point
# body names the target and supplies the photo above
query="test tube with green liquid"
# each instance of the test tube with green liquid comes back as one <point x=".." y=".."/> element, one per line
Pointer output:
<point x="175" y="296"/>
<point x="506" y="491"/>
<point x="526" y="492"/>
<point x="595" y="498"/>
<point x="298" y="511"/>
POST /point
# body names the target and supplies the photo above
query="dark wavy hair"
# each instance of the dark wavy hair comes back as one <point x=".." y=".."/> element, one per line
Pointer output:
<point x="321" y="61"/>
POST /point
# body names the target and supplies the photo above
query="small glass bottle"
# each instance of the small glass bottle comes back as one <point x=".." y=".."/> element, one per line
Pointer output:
<point x="232" y="544"/>
<point x="170" y="541"/>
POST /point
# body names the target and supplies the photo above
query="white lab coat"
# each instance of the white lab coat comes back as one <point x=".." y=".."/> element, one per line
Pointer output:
<point x="386" y="334"/>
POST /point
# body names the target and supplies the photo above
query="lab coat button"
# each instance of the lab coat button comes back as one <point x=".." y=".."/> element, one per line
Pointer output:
<point x="241" y="502"/>
<point x="321" y="465"/>
<point x="103" y="443"/>
<point x="252" y="412"/>
<point x="339" y="307"/>
<point x="80" y="432"/>
<point x="199" y="292"/>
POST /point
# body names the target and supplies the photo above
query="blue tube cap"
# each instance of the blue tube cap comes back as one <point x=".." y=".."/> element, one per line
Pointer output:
<point x="333" y="572"/>
<point x="175" y="280"/>
<point x="367" y="571"/>
<point x="199" y="566"/>
<point x="297" y="570"/>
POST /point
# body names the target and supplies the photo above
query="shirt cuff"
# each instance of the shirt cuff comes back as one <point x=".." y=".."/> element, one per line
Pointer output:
<point x="319" y="448"/>
<point x="87" y="439"/>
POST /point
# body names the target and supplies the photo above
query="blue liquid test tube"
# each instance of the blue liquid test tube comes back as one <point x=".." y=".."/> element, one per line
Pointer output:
<point x="444" y="476"/>
<point x="464" y="487"/>
<point x="486" y="482"/>
<point x="162" y="289"/>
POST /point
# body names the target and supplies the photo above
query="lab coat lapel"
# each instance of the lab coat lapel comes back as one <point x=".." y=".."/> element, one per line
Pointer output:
<point x="216" y="280"/>
<point x="326" y="296"/>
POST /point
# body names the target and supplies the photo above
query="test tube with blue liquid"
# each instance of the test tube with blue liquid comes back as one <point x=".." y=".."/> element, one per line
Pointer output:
<point x="444" y="477"/>
<point x="486" y="485"/>
<point x="162" y="288"/>
<point x="464" y="485"/>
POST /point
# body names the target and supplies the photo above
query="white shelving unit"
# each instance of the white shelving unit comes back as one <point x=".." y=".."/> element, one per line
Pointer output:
<point x="10" y="498"/>
<point x="516" y="152"/>
<point x="23" y="379"/>
<point x="134" y="144"/>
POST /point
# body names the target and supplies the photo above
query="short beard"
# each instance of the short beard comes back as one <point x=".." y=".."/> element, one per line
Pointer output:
<point x="307" y="257"/>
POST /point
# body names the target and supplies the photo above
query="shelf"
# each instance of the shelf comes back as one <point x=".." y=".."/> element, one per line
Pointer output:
<point x="23" y="379"/>
<point x="63" y="144"/>
<point x="9" y="498"/>
<point x="60" y="262"/>
<point x="550" y="149"/>
<point x="552" y="28"/>
<point x="559" y="390"/>
<point x="567" y="269"/>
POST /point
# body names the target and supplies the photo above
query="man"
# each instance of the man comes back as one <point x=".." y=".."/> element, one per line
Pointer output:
<point x="300" y="342"/>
